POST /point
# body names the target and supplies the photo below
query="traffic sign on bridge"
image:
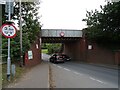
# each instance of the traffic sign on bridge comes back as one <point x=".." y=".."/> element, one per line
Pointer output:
<point x="8" y="30"/>
<point x="62" y="34"/>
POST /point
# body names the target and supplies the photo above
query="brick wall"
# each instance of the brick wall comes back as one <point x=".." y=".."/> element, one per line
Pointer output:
<point x="100" y="55"/>
<point x="36" y="54"/>
<point x="79" y="52"/>
<point x="75" y="50"/>
<point x="117" y="57"/>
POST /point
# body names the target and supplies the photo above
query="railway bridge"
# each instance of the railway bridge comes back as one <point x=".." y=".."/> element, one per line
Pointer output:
<point x="70" y="40"/>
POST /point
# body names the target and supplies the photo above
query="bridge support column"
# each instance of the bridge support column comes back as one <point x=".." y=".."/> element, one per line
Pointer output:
<point x="76" y="50"/>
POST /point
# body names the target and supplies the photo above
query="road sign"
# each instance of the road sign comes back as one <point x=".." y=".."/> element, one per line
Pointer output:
<point x="62" y="34"/>
<point x="8" y="30"/>
<point x="7" y="7"/>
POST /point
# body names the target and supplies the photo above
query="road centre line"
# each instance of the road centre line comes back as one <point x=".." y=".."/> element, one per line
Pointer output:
<point x="100" y="81"/>
<point x="92" y="78"/>
<point x="96" y="80"/>
<point x="67" y="69"/>
<point x="59" y="66"/>
<point x="62" y="67"/>
<point x="77" y="73"/>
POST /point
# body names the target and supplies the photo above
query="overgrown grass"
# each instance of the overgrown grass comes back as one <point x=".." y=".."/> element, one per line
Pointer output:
<point x="19" y="72"/>
<point x="45" y="51"/>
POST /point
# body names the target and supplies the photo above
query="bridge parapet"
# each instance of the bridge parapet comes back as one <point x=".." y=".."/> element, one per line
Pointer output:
<point x="57" y="32"/>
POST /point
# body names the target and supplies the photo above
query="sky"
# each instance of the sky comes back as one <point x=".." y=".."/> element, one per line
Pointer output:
<point x="66" y="14"/>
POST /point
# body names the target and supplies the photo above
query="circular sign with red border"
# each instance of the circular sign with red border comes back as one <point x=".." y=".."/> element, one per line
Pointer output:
<point x="62" y="34"/>
<point x="8" y="30"/>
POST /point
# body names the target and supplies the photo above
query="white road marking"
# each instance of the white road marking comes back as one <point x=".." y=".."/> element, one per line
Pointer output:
<point x="100" y="81"/>
<point x="96" y="80"/>
<point x="77" y="73"/>
<point x="67" y="69"/>
<point x="92" y="78"/>
<point x="59" y="66"/>
<point x="54" y="64"/>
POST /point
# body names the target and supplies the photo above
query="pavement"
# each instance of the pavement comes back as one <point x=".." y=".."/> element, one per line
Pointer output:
<point x="37" y="77"/>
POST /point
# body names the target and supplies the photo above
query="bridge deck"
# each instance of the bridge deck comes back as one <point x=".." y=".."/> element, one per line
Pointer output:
<point x="60" y="32"/>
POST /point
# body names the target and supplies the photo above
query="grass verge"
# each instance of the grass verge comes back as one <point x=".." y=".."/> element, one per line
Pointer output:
<point x="19" y="72"/>
<point x="45" y="51"/>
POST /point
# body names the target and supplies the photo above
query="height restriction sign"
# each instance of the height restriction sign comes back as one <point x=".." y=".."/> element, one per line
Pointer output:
<point x="8" y="30"/>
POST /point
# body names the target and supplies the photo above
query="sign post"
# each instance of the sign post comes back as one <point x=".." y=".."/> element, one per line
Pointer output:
<point x="9" y="5"/>
<point x="9" y="31"/>
<point x="8" y="59"/>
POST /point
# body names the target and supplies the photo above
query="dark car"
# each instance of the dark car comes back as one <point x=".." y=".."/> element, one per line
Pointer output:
<point x="57" y="58"/>
<point x="66" y="57"/>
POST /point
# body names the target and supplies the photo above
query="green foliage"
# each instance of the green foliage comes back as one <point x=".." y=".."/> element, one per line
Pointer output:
<point x="45" y="51"/>
<point x="43" y="46"/>
<point x="52" y="48"/>
<point x="103" y="26"/>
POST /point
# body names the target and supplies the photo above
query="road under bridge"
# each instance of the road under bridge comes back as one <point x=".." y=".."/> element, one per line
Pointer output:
<point x="79" y="48"/>
<point x="69" y="38"/>
<point x="75" y="45"/>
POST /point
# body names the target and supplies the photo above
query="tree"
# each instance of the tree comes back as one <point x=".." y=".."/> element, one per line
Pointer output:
<point x="52" y="48"/>
<point x="103" y="26"/>
<point x="30" y="27"/>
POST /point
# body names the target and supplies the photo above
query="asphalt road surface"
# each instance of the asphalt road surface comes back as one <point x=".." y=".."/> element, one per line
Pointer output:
<point x="73" y="75"/>
<point x="45" y="57"/>
<point x="77" y="75"/>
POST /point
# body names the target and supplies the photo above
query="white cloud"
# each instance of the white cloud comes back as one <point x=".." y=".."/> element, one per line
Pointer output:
<point x="66" y="14"/>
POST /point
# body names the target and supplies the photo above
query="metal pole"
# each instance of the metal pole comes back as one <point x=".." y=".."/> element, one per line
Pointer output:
<point x="8" y="59"/>
<point x="0" y="34"/>
<point x="21" y="54"/>
<point x="0" y="48"/>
